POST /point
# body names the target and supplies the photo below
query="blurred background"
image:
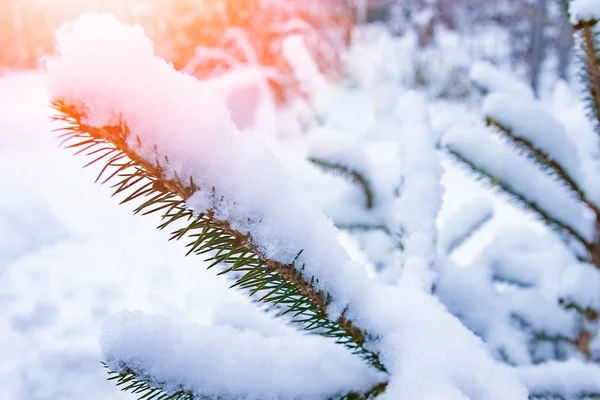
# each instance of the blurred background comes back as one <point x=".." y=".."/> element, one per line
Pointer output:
<point x="530" y="35"/>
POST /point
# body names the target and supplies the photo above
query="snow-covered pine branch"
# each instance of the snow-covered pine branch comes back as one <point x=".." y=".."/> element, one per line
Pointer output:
<point x="501" y="167"/>
<point x="229" y="217"/>
<point x="221" y="362"/>
<point x="537" y="134"/>
<point x="166" y="140"/>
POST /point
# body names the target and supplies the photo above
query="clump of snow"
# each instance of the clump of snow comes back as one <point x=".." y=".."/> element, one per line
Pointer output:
<point x="580" y="284"/>
<point x="584" y="10"/>
<point x="490" y="79"/>
<point x="525" y="259"/>
<point x="423" y="331"/>
<point x="421" y="190"/>
<point x="570" y="379"/>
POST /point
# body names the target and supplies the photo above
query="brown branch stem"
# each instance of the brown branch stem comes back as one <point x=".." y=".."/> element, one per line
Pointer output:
<point x="593" y="65"/>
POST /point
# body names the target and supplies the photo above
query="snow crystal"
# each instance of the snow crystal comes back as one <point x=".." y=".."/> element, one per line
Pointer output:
<point x="584" y="10"/>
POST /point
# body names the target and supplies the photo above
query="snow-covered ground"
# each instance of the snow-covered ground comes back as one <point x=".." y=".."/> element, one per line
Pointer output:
<point x="70" y="257"/>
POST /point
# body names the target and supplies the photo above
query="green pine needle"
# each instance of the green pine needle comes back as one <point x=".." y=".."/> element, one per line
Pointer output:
<point x="128" y="381"/>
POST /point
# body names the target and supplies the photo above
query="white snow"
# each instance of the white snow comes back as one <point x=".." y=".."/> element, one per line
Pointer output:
<point x="584" y="10"/>
<point x="463" y="223"/>
<point x="27" y="222"/>
<point x="581" y="285"/>
<point x="421" y="189"/>
<point x="570" y="378"/>
<point x="491" y="79"/>
<point x="70" y="257"/>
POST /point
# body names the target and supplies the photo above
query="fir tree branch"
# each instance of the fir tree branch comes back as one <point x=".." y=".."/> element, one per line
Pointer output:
<point x="542" y="159"/>
<point x="128" y="380"/>
<point x="564" y="230"/>
<point x="281" y="286"/>
<point x="352" y="174"/>
<point x="591" y="73"/>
